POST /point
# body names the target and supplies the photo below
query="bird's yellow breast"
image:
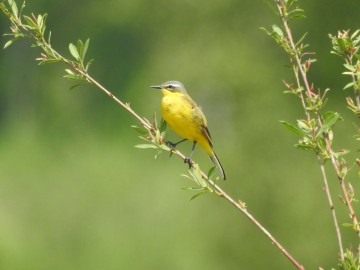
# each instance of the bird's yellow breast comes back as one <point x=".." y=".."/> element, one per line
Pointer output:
<point x="183" y="115"/>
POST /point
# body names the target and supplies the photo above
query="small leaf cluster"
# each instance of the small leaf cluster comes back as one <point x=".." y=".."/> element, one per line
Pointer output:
<point x="155" y="136"/>
<point x="277" y="33"/>
<point x="344" y="45"/>
<point x="34" y="27"/>
<point x="315" y="131"/>
<point x="351" y="261"/>
<point x="347" y="47"/>
<point x="195" y="175"/>
<point x="79" y="51"/>
<point x="14" y="16"/>
<point x="288" y="11"/>
<point x="312" y="137"/>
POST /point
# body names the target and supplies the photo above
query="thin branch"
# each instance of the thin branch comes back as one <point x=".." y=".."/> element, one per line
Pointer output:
<point x="332" y="207"/>
<point x="322" y="168"/>
<point x="281" y="8"/>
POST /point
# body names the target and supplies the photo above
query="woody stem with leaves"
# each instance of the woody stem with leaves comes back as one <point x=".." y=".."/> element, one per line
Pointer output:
<point x="315" y="130"/>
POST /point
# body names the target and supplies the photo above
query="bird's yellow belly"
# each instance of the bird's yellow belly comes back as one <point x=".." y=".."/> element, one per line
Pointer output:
<point x="180" y="117"/>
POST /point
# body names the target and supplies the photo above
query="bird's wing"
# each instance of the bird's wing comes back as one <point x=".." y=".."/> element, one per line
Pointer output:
<point x="197" y="113"/>
<point x="204" y="129"/>
<point x="206" y="133"/>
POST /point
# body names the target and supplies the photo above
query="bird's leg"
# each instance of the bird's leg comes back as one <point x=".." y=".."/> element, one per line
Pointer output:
<point x="173" y="145"/>
<point x="188" y="160"/>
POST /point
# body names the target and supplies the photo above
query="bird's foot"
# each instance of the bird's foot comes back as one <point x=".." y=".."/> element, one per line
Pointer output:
<point x="171" y="144"/>
<point x="172" y="147"/>
<point x="188" y="160"/>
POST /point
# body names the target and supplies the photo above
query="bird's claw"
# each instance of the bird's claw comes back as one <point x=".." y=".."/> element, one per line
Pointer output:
<point x="170" y="144"/>
<point x="189" y="161"/>
<point x="172" y="147"/>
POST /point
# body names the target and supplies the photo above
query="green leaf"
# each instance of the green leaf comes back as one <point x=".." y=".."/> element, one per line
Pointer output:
<point x="71" y="77"/>
<point x="342" y="44"/>
<point x="80" y="49"/>
<point x="355" y="34"/>
<point x="30" y="22"/>
<point x="140" y="130"/>
<point x="40" y="21"/>
<point x="85" y="48"/>
<point x="330" y="118"/>
<point x="276" y="29"/>
<point x="75" y="85"/>
<point x="304" y="147"/>
<point x="146" y="146"/>
<point x="198" y="194"/>
<point x="88" y="64"/>
<point x="350" y="67"/>
<point x="293" y="128"/>
<point x="211" y="172"/>
<point x="47" y="61"/>
<point x="303" y="126"/>
<point x="195" y="173"/>
<point x="296" y="14"/>
<point x="69" y="71"/>
<point x="265" y="30"/>
<point x="165" y="147"/>
<point x="14" y="8"/>
<point x="348" y="225"/>
<point x="301" y="39"/>
<point x="350" y="84"/>
<point x="9" y="42"/>
<point x="21" y="9"/>
<point x="163" y="125"/>
<point x="74" y="52"/>
<point x="191" y="188"/>
<point x="49" y="38"/>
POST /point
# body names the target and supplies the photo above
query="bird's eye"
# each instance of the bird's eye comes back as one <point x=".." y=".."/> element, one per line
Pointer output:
<point x="170" y="86"/>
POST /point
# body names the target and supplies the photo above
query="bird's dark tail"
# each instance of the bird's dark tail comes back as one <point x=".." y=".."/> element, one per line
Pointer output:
<point x="217" y="163"/>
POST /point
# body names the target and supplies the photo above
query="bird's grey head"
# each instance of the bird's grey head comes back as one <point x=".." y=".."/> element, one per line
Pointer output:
<point x="173" y="86"/>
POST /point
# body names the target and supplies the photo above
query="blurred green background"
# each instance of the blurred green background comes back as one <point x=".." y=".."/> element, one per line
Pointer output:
<point x="76" y="194"/>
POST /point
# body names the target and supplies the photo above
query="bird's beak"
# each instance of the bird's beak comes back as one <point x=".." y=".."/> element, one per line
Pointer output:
<point x="156" y="86"/>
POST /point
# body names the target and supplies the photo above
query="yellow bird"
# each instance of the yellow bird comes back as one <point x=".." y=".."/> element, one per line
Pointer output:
<point x="185" y="117"/>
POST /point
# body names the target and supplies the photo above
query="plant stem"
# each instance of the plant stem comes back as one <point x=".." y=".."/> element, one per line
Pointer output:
<point x="126" y="106"/>
<point x="334" y="162"/>
<point x="322" y="169"/>
<point x="332" y="207"/>
<point x="281" y="8"/>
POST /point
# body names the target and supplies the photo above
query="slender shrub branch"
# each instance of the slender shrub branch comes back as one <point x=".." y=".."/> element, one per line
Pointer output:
<point x="315" y="130"/>
<point x="282" y="7"/>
